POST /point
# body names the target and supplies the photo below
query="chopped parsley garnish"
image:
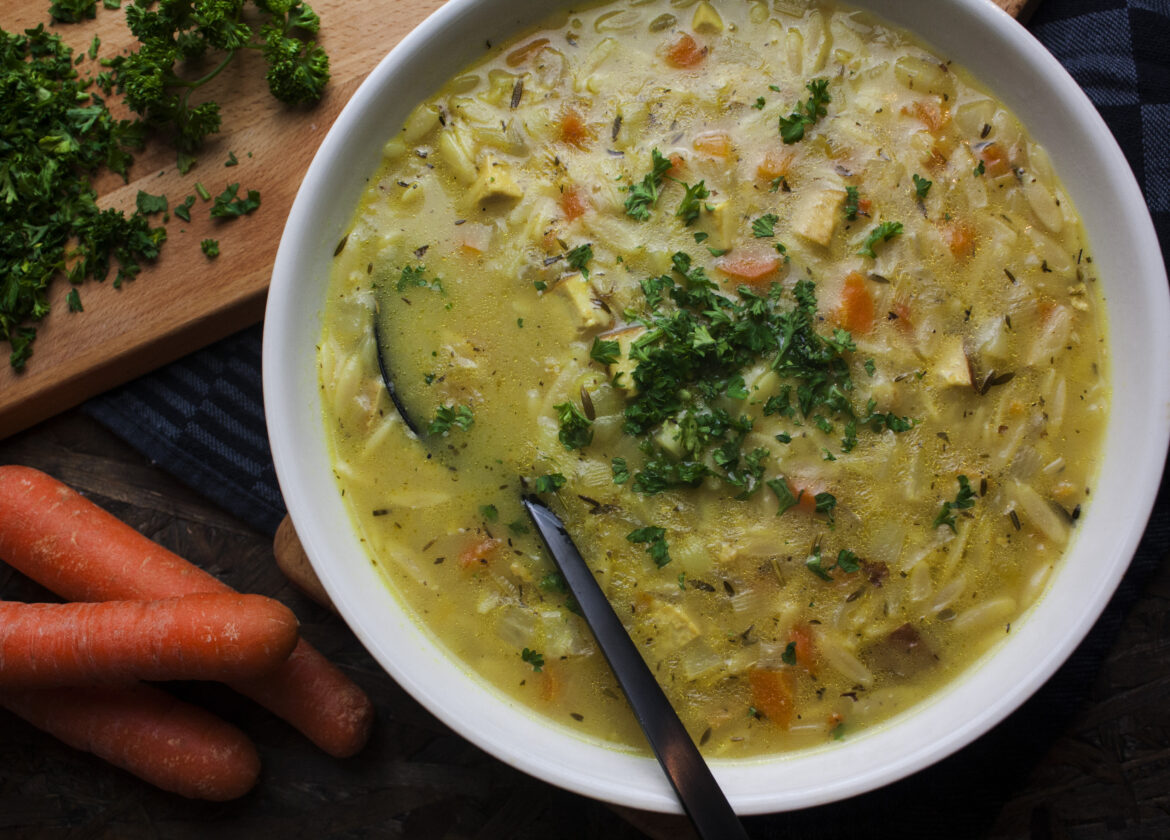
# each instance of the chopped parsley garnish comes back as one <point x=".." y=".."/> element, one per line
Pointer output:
<point x="536" y="660"/>
<point x="73" y="301"/>
<point x="576" y="431"/>
<point x="979" y="169"/>
<point x="605" y="351"/>
<point x="788" y="657"/>
<point x="148" y="204"/>
<point x="621" y="472"/>
<point x="490" y="512"/>
<point x="921" y="185"/>
<point x="847" y="562"/>
<point x="696" y="345"/>
<point x="852" y="197"/>
<point x="759" y="103"/>
<point x="655" y="540"/>
<point x="764" y="226"/>
<point x="807" y="112"/>
<point x="692" y="202"/>
<point x="964" y="500"/>
<point x="447" y="416"/>
<point x="644" y="196"/>
<point x="58" y="134"/>
<point x="579" y="258"/>
<point x="183" y="211"/>
<point x="550" y="483"/>
<point x="415" y="277"/>
<point x="210" y="248"/>
<point x="232" y="160"/>
<point x="882" y="233"/>
<point x="229" y="205"/>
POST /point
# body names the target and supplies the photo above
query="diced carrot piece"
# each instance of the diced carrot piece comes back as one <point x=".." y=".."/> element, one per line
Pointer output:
<point x="864" y="205"/>
<point x="684" y="52"/>
<point x="478" y="552"/>
<point x="573" y="204"/>
<point x="932" y="116"/>
<point x="959" y="237"/>
<point x="801" y="634"/>
<point x="855" y="309"/>
<point x="751" y="269"/>
<point x="774" y="164"/>
<point x="550" y="683"/>
<point x="521" y="54"/>
<point x="936" y="159"/>
<point x="903" y="321"/>
<point x="474" y="238"/>
<point x="806" y="497"/>
<point x="574" y="130"/>
<point x="714" y="143"/>
<point x="995" y="160"/>
<point x="677" y="164"/>
<point x="772" y="694"/>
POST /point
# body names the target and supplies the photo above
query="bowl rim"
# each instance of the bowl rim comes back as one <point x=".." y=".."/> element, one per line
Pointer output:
<point x="760" y="785"/>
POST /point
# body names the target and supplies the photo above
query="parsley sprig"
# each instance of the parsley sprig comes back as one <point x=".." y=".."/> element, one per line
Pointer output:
<point x="644" y="196"/>
<point x="806" y="113"/>
<point x="964" y="500"/>
<point x="174" y="36"/>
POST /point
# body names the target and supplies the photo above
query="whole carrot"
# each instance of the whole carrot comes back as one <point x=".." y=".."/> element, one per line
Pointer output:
<point x="206" y="636"/>
<point x="162" y="740"/>
<point x="65" y="542"/>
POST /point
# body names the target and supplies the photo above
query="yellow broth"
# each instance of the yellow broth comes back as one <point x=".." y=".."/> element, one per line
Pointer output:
<point x="842" y="502"/>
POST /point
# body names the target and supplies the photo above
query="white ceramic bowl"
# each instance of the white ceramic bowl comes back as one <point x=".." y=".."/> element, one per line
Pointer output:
<point x="1012" y="64"/>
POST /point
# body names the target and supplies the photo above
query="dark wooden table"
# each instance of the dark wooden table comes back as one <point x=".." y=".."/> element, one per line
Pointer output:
<point x="1107" y="774"/>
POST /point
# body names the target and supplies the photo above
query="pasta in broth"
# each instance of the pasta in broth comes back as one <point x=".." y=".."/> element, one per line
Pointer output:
<point x="787" y="317"/>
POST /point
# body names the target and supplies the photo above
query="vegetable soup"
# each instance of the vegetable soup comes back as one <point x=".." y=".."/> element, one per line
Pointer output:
<point x="787" y="317"/>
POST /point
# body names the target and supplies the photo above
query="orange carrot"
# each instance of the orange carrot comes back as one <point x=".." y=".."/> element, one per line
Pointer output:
<point x="164" y="741"/>
<point x="574" y="130"/>
<point x="713" y="143"/>
<point x="751" y="269"/>
<point x="855" y="308"/>
<point x="572" y="203"/>
<point x="959" y="237"/>
<point x="478" y="552"/>
<point x="995" y="160"/>
<point x="684" y="53"/>
<point x="772" y="694"/>
<point x="208" y="636"/>
<point x="932" y="116"/>
<point x="70" y="545"/>
<point x="774" y="164"/>
<point x="802" y="637"/>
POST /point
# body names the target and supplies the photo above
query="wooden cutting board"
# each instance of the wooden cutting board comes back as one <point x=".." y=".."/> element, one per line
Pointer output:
<point x="185" y="301"/>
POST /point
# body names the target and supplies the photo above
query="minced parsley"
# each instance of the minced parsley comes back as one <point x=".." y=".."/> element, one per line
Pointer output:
<point x="964" y="500"/>
<point x="644" y="196"/>
<point x="807" y="112"/>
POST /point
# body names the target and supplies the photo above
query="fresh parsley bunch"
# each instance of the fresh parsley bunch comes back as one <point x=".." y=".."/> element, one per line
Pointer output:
<point x="177" y="36"/>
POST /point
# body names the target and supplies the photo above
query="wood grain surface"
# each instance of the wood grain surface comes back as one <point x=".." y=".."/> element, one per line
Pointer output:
<point x="184" y="300"/>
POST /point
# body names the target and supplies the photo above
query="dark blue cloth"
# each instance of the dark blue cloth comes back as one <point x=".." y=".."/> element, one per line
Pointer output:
<point x="201" y="419"/>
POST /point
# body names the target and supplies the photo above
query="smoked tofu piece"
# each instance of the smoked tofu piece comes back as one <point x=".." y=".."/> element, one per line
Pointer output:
<point x="951" y="366"/>
<point x="494" y="181"/>
<point x="583" y="296"/>
<point x="817" y="214"/>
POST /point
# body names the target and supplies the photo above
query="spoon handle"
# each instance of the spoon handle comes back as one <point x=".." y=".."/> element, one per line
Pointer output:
<point x="689" y="774"/>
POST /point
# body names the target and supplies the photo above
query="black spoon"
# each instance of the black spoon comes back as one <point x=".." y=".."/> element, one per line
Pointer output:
<point x="700" y="795"/>
<point x="697" y="790"/>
